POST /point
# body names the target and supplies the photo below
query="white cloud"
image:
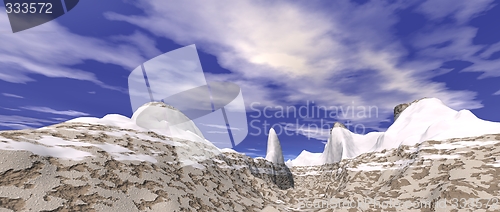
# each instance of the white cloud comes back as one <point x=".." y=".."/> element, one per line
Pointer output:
<point x="462" y="11"/>
<point x="308" y="130"/>
<point x="50" y="50"/>
<point x="254" y="150"/>
<point x="12" y="95"/>
<point x="11" y="109"/>
<point x="58" y="112"/>
<point x="217" y="132"/>
<point x="15" y="126"/>
<point x="497" y="93"/>
<point x="148" y="45"/>
<point x="221" y="127"/>
<point x="339" y="55"/>
<point x="22" y="122"/>
<point x="60" y="119"/>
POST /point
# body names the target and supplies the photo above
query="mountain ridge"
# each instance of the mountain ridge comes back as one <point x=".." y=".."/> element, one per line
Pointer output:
<point x="418" y="121"/>
<point x="112" y="164"/>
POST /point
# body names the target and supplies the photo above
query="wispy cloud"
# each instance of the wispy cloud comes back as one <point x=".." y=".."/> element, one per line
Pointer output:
<point x="60" y="119"/>
<point x="15" y="126"/>
<point x="254" y="150"/>
<point x="32" y="52"/>
<point x="53" y="111"/>
<point x="460" y="11"/>
<point x="221" y="127"/>
<point x="346" y="53"/>
<point x="217" y="132"/>
<point x="12" y="95"/>
<point x="11" y="109"/>
<point x="22" y="122"/>
<point x="497" y="93"/>
<point x="309" y="131"/>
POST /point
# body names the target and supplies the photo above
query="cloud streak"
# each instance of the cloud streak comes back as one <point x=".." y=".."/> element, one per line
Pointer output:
<point x="309" y="131"/>
<point x="222" y="127"/>
<point x="51" y="50"/>
<point x="22" y="122"/>
<point x="53" y="111"/>
<point x="12" y="95"/>
<point x="11" y="109"/>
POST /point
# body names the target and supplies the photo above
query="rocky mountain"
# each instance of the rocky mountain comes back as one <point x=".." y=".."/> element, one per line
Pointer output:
<point x="419" y="121"/>
<point x="401" y="107"/>
<point x="153" y="162"/>
<point x="91" y="167"/>
<point x="463" y="173"/>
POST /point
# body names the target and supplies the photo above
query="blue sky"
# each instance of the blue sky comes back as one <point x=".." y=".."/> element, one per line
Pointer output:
<point x="336" y="54"/>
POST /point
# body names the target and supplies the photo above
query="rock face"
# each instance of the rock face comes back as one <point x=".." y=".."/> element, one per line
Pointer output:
<point x="401" y="107"/>
<point x="274" y="153"/>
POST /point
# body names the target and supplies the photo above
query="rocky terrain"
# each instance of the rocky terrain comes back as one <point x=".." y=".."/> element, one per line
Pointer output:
<point x="427" y="173"/>
<point x="77" y="166"/>
<point x="148" y="174"/>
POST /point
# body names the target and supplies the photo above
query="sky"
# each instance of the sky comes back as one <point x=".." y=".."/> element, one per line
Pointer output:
<point x="357" y="59"/>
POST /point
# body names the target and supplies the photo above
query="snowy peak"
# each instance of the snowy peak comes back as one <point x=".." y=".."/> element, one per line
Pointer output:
<point x="416" y="122"/>
<point x="412" y="123"/>
<point x="274" y="153"/>
<point x="338" y="124"/>
<point x="334" y="147"/>
<point x="401" y="107"/>
<point x="341" y="144"/>
<point x="431" y="119"/>
<point x="167" y="120"/>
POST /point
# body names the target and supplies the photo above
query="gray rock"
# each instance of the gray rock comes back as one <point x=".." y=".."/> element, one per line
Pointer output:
<point x="401" y="107"/>
<point x="338" y="124"/>
<point x="160" y="104"/>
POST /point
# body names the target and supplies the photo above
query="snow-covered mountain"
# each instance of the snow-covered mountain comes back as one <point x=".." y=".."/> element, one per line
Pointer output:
<point x="167" y="120"/>
<point x="422" y="120"/>
<point x="158" y="161"/>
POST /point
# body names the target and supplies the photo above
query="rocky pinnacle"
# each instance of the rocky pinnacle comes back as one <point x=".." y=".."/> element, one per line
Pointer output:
<point x="274" y="152"/>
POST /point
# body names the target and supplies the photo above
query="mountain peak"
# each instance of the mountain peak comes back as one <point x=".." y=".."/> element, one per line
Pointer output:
<point x="338" y="124"/>
<point x="401" y="107"/>
<point x="160" y="104"/>
<point x="274" y="152"/>
<point x="166" y="119"/>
